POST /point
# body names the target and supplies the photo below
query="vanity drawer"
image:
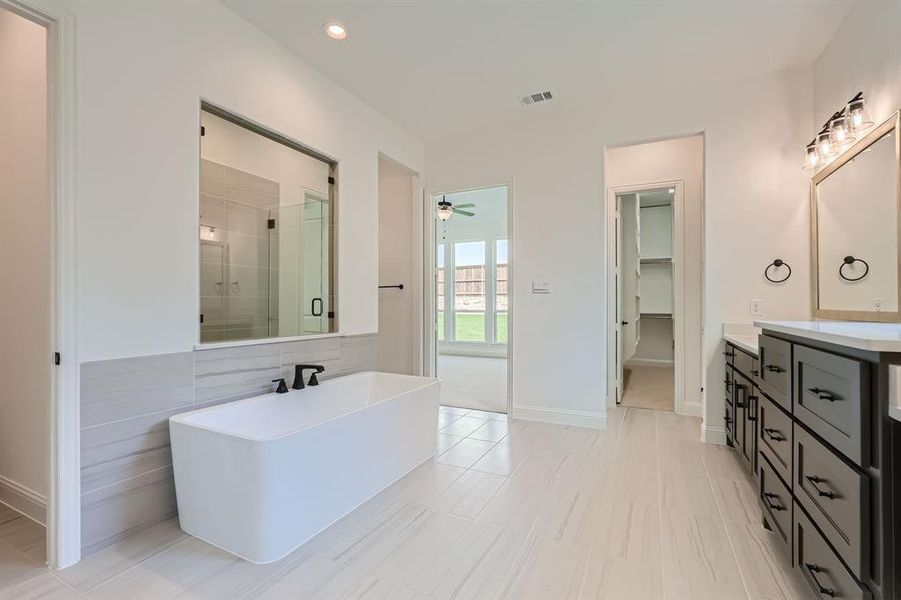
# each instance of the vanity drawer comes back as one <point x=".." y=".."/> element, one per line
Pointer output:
<point x="775" y="441"/>
<point x="830" y="397"/>
<point x="818" y="564"/>
<point x="835" y="495"/>
<point x="775" y="365"/>
<point x="729" y="353"/>
<point x="745" y="363"/>
<point x="776" y="501"/>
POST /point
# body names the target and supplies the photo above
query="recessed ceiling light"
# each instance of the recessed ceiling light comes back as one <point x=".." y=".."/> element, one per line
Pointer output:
<point x="672" y="190"/>
<point x="336" y="31"/>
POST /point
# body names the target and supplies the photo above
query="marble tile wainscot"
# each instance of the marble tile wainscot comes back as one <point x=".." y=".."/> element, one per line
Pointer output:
<point x="126" y="463"/>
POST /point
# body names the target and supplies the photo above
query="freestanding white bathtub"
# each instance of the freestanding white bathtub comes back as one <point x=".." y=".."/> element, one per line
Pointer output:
<point x="259" y="477"/>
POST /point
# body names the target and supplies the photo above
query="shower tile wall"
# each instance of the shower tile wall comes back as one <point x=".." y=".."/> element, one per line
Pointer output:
<point x="126" y="461"/>
<point x="236" y="264"/>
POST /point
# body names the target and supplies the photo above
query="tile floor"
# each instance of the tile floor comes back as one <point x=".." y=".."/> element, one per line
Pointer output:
<point x="473" y="382"/>
<point x="508" y="509"/>
<point x="649" y="387"/>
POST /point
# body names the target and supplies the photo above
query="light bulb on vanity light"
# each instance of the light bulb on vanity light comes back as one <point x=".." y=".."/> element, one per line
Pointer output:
<point x="812" y="159"/>
<point x="841" y="130"/>
<point x="824" y="145"/>
<point x="858" y="113"/>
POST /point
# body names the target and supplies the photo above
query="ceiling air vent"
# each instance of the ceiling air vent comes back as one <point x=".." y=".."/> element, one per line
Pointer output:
<point x="535" y="98"/>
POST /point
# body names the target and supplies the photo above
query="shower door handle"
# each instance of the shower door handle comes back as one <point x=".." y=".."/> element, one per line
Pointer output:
<point x="313" y="307"/>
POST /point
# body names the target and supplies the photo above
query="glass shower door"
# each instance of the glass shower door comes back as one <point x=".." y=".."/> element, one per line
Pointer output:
<point x="315" y="235"/>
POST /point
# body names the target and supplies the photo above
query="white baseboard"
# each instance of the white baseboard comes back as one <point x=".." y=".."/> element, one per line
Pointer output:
<point x="24" y="500"/>
<point x="714" y="435"/>
<point x="691" y="409"/>
<point x="575" y="418"/>
<point x="649" y="362"/>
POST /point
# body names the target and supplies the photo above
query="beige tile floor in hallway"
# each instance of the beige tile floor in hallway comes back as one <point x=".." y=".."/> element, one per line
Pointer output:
<point x="507" y="510"/>
<point x="649" y="387"/>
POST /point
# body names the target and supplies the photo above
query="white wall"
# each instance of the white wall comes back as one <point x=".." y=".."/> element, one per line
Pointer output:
<point x="25" y="268"/>
<point x="756" y="210"/>
<point x="398" y="334"/>
<point x="142" y="69"/>
<point x="862" y="56"/>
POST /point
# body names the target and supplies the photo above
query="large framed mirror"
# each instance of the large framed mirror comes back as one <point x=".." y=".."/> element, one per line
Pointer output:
<point x="267" y="233"/>
<point x="855" y="235"/>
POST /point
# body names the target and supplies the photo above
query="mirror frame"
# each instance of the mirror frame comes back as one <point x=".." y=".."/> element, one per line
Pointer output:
<point x="893" y="123"/>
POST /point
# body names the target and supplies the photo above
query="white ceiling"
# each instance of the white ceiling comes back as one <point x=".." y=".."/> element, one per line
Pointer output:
<point x="441" y="68"/>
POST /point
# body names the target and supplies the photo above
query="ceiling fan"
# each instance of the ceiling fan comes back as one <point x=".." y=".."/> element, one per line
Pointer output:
<point x="446" y="209"/>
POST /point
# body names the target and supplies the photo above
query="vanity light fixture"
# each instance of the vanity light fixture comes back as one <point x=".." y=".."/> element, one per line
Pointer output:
<point x="336" y="31"/>
<point x="841" y="129"/>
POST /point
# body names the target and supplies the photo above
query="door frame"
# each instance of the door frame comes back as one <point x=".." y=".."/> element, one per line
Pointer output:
<point x="63" y="501"/>
<point x="610" y="250"/>
<point x="430" y="274"/>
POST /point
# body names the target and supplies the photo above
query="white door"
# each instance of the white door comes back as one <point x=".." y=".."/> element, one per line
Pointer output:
<point x="618" y="294"/>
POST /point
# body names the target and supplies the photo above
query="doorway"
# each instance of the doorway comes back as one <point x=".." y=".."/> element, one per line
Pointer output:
<point x="472" y="307"/>
<point x="26" y="288"/>
<point x="646" y="299"/>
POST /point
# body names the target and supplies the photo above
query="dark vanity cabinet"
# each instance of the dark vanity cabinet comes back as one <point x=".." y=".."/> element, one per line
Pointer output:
<point x="742" y="395"/>
<point x="809" y="421"/>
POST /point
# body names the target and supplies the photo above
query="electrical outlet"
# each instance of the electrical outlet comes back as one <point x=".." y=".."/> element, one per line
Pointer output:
<point x="755" y="308"/>
<point x="878" y="304"/>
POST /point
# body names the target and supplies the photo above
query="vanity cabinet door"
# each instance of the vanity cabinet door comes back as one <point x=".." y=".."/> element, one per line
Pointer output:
<point x="746" y="418"/>
<point x="775" y="370"/>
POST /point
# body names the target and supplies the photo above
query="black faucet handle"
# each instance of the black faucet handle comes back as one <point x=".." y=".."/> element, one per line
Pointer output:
<point x="298" y="375"/>
<point x="282" y="386"/>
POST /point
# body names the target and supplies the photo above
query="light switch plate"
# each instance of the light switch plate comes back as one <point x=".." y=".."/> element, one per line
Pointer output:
<point x="540" y="286"/>
<point x="755" y="307"/>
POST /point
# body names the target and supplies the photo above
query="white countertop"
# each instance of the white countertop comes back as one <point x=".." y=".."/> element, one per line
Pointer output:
<point x="876" y="337"/>
<point x="748" y="343"/>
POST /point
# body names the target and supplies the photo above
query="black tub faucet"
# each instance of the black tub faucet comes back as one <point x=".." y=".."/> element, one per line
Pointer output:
<point x="298" y="375"/>
<point x="282" y="386"/>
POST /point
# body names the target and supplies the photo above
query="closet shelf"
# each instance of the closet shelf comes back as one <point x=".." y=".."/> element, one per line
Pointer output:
<point x="650" y="315"/>
<point x="657" y="261"/>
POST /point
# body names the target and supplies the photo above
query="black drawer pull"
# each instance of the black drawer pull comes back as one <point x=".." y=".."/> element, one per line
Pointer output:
<point x="814" y="481"/>
<point x="768" y="498"/>
<point x="774" y="434"/>
<point x="727" y="419"/>
<point x="774" y="369"/>
<point x="823" y="394"/>
<point x="728" y="354"/>
<point x="813" y="569"/>
<point x="755" y="373"/>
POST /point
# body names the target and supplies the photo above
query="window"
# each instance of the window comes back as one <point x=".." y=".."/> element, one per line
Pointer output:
<point x="469" y="291"/>
<point x="501" y="292"/>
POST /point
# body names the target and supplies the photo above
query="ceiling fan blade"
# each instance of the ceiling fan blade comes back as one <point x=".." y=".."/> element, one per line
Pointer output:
<point x="464" y="205"/>
<point x="465" y="213"/>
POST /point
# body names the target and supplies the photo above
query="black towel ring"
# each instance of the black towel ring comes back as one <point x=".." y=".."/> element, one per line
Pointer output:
<point x="850" y="260"/>
<point x="777" y="263"/>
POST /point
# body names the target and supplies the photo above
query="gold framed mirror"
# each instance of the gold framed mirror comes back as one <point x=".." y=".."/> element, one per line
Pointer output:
<point x="855" y="205"/>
